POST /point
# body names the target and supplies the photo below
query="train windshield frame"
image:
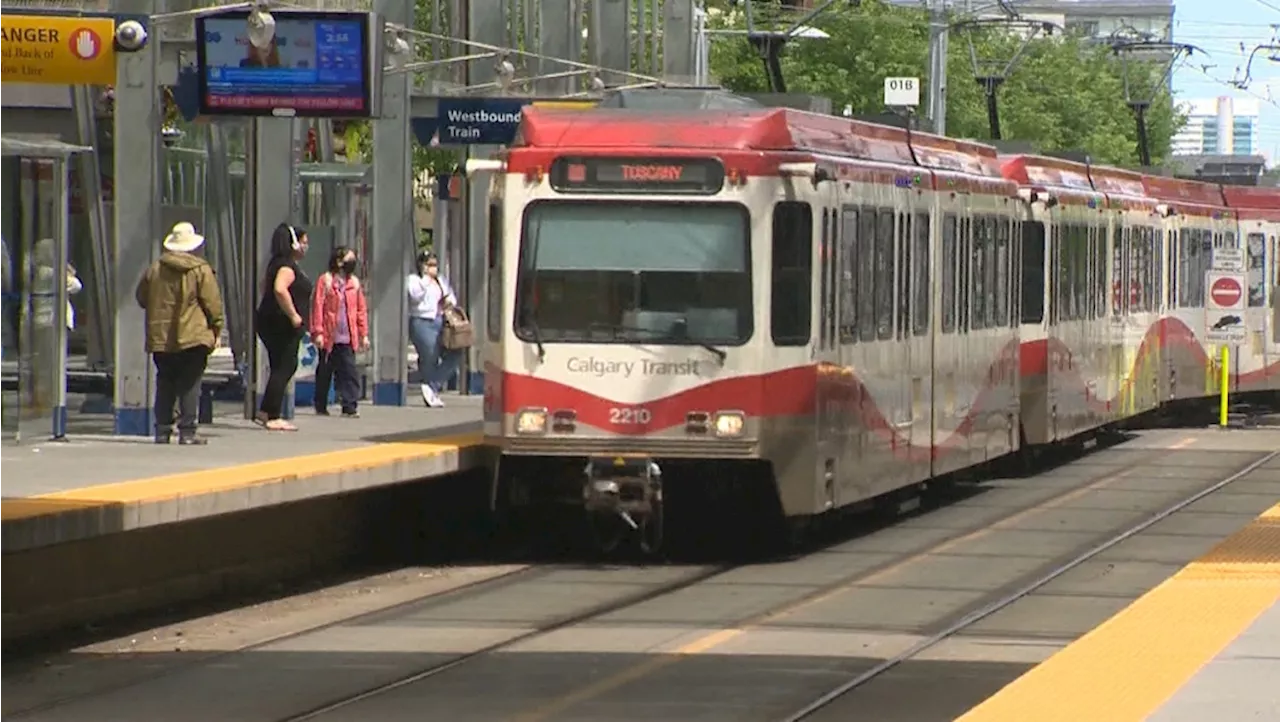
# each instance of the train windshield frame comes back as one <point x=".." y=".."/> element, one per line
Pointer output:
<point x="635" y="272"/>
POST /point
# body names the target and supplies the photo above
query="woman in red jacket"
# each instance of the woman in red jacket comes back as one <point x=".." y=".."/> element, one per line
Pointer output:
<point x="339" y="328"/>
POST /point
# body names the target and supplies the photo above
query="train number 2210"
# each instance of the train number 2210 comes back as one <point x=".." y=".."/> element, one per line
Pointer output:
<point x="629" y="416"/>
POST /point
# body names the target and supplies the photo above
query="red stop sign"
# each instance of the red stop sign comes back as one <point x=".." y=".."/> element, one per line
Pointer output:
<point x="1226" y="292"/>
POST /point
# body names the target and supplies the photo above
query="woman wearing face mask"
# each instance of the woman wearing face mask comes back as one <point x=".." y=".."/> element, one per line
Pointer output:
<point x="281" y="319"/>
<point x="429" y="295"/>
<point x="339" y="327"/>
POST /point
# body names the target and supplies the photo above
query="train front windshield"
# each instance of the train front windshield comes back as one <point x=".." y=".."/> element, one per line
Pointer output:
<point x="635" y="272"/>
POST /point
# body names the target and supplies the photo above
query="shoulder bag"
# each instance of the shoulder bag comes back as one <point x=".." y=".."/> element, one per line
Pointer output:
<point x="457" y="333"/>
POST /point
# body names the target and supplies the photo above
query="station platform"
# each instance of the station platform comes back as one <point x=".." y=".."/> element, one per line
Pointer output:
<point x="90" y="485"/>
<point x="1205" y="644"/>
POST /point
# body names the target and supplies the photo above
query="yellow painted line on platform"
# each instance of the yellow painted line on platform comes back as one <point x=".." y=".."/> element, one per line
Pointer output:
<point x="712" y="640"/>
<point x="1127" y="667"/>
<point x="206" y="481"/>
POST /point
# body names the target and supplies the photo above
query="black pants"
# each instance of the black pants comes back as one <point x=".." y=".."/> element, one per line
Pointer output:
<point x="178" y="378"/>
<point x="282" y="358"/>
<point x="339" y="368"/>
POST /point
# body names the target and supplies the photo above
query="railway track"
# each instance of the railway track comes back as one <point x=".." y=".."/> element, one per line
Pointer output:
<point x="539" y="603"/>
<point x="808" y="711"/>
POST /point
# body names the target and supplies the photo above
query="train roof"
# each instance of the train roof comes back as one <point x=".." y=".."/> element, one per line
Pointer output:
<point x="766" y="130"/>
<point x="1184" y="193"/>
<point x="1253" y="202"/>
<point x="1046" y="172"/>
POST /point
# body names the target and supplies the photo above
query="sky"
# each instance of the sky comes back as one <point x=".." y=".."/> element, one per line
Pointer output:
<point x="1220" y="27"/>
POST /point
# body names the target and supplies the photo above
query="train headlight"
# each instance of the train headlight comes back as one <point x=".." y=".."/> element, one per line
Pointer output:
<point x="531" y="421"/>
<point x="729" y="423"/>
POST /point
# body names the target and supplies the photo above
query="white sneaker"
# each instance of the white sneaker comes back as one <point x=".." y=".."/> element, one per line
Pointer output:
<point x="430" y="397"/>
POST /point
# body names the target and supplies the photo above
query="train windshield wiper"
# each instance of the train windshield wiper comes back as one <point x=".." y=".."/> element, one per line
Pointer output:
<point x="680" y="331"/>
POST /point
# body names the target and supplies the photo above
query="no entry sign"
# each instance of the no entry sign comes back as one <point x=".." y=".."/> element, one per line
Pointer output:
<point x="1224" y="306"/>
<point x="1226" y="292"/>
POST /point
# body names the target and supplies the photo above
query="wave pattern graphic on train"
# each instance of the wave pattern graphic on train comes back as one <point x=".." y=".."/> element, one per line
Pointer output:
<point x="817" y="313"/>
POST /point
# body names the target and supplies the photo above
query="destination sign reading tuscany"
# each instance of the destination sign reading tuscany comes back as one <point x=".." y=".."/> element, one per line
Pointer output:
<point x="701" y="176"/>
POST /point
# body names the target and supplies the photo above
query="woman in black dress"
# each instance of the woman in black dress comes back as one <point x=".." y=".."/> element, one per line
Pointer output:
<point x="282" y="319"/>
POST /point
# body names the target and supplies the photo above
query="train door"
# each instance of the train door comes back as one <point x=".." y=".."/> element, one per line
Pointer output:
<point x="830" y="385"/>
<point x="491" y="352"/>
<point x="900" y="347"/>
<point x="919" y="342"/>
<point x="850" y="485"/>
<point x="947" y="350"/>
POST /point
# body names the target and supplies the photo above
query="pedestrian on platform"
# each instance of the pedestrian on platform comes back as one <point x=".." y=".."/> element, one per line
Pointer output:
<point x="184" y="317"/>
<point x="339" y="328"/>
<point x="282" y="319"/>
<point x="429" y="296"/>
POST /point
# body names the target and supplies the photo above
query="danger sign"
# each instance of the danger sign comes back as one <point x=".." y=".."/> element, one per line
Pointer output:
<point x="58" y="50"/>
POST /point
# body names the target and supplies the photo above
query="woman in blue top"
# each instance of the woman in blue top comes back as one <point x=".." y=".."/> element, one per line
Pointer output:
<point x="429" y="294"/>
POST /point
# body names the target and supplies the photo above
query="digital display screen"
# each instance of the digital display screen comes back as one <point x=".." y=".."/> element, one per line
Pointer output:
<point x="701" y="176"/>
<point x="317" y="65"/>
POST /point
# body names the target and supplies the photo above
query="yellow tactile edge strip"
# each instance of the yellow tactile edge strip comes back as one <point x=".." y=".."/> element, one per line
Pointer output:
<point x="207" y="481"/>
<point x="1127" y="667"/>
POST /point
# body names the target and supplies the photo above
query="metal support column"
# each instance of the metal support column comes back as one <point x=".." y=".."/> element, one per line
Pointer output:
<point x="61" y="298"/>
<point x="392" y="245"/>
<point x="677" y="41"/>
<point x="137" y="221"/>
<point x="275" y="177"/>
<point x="609" y="38"/>
<point x="476" y="200"/>
<point x="90" y="174"/>
<point x="225" y="235"/>
<point x="938" y="36"/>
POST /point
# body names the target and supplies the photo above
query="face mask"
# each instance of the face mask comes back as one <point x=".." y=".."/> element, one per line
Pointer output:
<point x="349" y="267"/>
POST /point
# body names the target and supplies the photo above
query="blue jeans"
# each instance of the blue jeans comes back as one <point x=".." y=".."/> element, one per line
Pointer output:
<point x="435" y="363"/>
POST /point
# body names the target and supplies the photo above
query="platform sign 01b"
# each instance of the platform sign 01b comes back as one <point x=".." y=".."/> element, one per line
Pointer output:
<point x="1224" y="305"/>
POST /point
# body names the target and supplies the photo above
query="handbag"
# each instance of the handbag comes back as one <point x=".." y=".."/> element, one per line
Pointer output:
<point x="457" y="333"/>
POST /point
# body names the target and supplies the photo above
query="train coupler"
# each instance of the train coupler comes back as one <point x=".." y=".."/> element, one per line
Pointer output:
<point x="627" y="486"/>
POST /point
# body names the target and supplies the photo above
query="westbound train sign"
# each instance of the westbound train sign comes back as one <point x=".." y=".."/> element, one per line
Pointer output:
<point x="1224" y="306"/>
<point x="59" y="50"/>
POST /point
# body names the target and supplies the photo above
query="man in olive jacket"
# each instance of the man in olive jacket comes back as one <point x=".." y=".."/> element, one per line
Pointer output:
<point x="184" y="321"/>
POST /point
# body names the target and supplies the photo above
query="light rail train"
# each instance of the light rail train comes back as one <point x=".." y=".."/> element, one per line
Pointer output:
<point x="817" y="314"/>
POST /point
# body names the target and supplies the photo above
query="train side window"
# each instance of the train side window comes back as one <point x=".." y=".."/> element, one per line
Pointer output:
<point x="1229" y="239"/>
<point x="921" y="274"/>
<point x="1054" y="260"/>
<point x="948" y="273"/>
<point x="884" y="272"/>
<point x="866" y="274"/>
<point x="1117" y="269"/>
<point x="1000" y="269"/>
<point x="1033" y="252"/>
<point x="981" y="300"/>
<point x="847" y="281"/>
<point x="963" y="277"/>
<point x="1066" y="272"/>
<point x="1171" y="249"/>
<point x="824" y="259"/>
<point x="1255" y="265"/>
<point x="833" y="293"/>
<point x="493" y="302"/>
<point x="903" y="276"/>
<point x="1091" y="270"/>
<point x="791" y="300"/>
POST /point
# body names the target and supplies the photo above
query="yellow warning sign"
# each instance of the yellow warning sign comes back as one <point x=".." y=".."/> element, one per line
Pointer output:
<point x="58" y="50"/>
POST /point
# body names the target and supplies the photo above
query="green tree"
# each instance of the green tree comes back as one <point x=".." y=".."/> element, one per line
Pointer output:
<point x="1064" y="94"/>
